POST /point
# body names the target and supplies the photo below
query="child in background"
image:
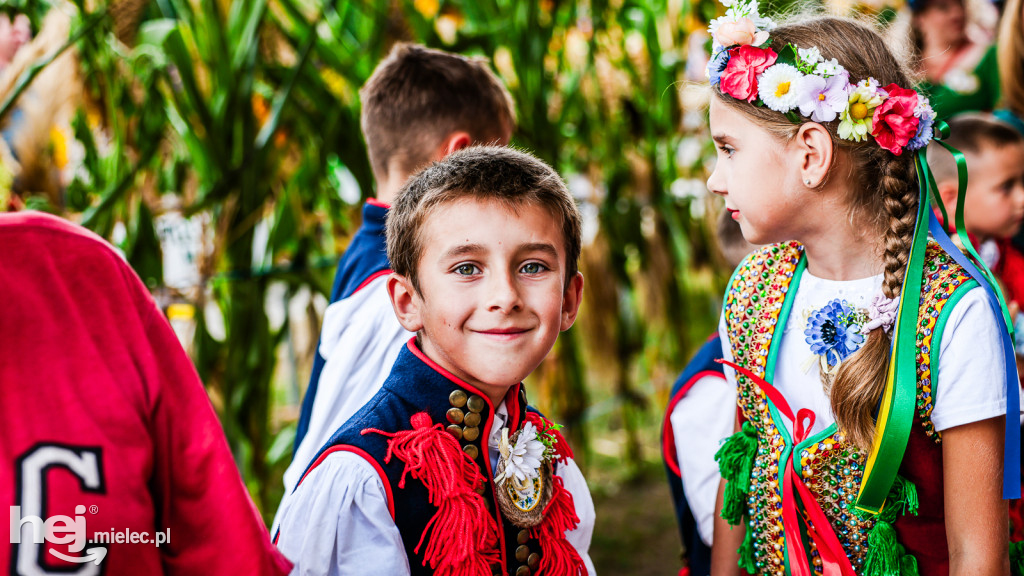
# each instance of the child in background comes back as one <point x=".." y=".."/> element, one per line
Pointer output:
<point x="994" y="202"/>
<point x="817" y="133"/>
<point x="418" y="106"/>
<point x="445" y="471"/>
<point x="700" y="415"/>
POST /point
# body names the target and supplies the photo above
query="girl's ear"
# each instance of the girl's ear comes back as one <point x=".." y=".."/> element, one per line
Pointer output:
<point x="815" y="151"/>
<point x="406" y="302"/>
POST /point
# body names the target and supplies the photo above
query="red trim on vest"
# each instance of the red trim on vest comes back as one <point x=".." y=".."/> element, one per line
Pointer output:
<point x="668" y="439"/>
<point x="486" y="426"/>
<point x="378" y="203"/>
<point x="371" y="278"/>
<point x="362" y="453"/>
<point x="437" y="367"/>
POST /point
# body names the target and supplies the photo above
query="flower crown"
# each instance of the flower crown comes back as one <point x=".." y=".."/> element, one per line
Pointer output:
<point x="745" y="66"/>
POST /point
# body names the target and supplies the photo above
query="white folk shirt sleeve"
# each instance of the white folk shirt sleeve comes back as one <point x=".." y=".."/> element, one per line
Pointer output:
<point x="971" y="381"/>
<point x="337" y="523"/>
<point x="701" y="420"/>
<point x="360" y="341"/>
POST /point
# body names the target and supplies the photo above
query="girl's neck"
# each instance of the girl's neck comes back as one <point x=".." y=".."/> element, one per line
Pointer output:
<point x="844" y="251"/>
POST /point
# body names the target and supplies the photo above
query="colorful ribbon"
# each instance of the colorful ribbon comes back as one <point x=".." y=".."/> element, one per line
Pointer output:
<point x="818" y="528"/>
<point x="896" y="410"/>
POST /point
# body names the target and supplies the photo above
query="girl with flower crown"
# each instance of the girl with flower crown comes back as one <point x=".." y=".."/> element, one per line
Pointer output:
<point x="870" y="356"/>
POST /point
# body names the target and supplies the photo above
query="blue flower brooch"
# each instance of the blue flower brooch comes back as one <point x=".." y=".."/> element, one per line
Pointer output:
<point x="834" y="333"/>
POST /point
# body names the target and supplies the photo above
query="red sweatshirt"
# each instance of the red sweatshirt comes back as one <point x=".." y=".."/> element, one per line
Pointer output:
<point x="107" y="432"/>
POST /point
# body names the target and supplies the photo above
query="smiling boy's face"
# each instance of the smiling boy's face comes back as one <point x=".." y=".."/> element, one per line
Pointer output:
<point x="492" y="296"/>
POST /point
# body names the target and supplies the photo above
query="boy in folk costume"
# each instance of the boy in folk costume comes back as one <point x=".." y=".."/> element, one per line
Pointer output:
<point x="418" y="106"/>
<point x="444" y="471"/>
<point x="874" y="364"/>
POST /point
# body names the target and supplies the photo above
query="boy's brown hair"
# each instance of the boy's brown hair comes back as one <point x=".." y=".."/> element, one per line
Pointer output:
<point x="970" y="133"/>
<point x="484" y="173"/>
<point x="417" y="96"/>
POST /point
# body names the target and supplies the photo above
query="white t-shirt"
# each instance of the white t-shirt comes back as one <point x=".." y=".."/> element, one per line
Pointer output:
<point x="971" y="379"/>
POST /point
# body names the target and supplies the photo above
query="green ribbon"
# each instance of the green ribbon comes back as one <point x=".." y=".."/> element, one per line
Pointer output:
<point x="961" y="228"/>
<point x="896" y="412"/>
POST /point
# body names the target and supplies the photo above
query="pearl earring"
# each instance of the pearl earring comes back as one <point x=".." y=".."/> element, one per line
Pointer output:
<point x="807" y="182"/>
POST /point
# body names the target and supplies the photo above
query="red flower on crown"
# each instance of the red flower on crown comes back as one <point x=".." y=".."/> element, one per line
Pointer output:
<point x="739" y="79"/>
<point x="894" y="123"/>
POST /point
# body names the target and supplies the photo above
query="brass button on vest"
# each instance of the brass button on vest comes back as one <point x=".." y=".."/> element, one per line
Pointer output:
<point x="523" y="536"/>
<point x="522" y="553"/>
<point x="471" y="451"/>
<point x="472" y="419"/>
<point x="457" y="398"/>
<point x="533" y="560"/>
<point x="476" y="403"/>
<point x="454" y="415"/>
<point x="523" y="571"/>
<point x="470" y="433"/>
<point x="455" y="430"/>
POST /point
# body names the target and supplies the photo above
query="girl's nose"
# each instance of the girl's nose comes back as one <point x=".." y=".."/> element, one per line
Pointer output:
<point x="716" y="183"/>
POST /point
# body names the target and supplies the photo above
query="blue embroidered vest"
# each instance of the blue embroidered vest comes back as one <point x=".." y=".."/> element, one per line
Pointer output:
<point x="417" y="385"/>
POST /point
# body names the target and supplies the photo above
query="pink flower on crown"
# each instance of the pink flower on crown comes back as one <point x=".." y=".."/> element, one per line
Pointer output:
<point x="894" y="123"/>
<point x="741" y="31"/>
<point x="739" y="79"/>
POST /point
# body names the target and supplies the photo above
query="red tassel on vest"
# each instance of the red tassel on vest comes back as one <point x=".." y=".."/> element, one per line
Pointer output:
<point x="463" y="535"/>
<point x="558" y="557"/>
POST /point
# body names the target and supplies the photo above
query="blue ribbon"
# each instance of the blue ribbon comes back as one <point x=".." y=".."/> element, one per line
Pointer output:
<point x="1011" y="445"/>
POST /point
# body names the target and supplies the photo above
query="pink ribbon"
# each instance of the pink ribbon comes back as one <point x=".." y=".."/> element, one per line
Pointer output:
<point x="833" y="556"/>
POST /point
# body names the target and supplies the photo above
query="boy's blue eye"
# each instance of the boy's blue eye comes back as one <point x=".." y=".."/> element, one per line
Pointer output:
<point x="728" y="150"/>
<point x="465" y="269"/>
<point x="533" y="268"/>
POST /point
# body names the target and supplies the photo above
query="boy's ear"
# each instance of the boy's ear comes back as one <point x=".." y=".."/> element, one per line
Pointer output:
<point x="814" y="146"/>
<point x="405" y="302"/>
<point x="452" y="143"/>
<point x="947" y="191"/>
<point x="571" y="302"/>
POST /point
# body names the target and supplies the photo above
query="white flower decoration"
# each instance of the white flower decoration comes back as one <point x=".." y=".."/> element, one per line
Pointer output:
<point x="829" y="68"/>
<point x="810" y="55"/>
<point x="777" y="87"/>
<point x="523" y="460"/>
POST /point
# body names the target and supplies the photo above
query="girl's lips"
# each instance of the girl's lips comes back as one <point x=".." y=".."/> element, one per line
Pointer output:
<point x="734" y="213"/>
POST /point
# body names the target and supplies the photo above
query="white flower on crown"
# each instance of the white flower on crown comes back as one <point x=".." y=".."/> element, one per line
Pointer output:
<point x="829" y="68"/>
<point x="870" y="84"/>
<point x="777" y="87"/>
<point x="810" y="55"/>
